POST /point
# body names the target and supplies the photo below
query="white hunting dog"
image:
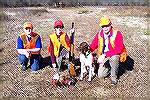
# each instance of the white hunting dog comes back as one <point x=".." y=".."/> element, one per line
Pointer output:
<point x="86" y="60"/>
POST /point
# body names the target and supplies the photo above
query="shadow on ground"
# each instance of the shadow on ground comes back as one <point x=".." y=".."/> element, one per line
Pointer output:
<point x="46" y="62"/>
<point x="125" y="66"/>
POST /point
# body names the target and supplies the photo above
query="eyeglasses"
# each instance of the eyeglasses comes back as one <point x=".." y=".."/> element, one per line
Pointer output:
<point x="105" y="26"/>
<point x="58" y="27"/>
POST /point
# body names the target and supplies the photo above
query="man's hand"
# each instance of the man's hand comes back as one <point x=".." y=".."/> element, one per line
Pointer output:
<point x="56" y="76"/>
<point x="24" y="52"/>
<point x="101" y="59"/>
<point x="27" y="54"/>
<point x="54" y="65"/>
<point x="72" y="30"/>
<point x="33" y="50"/>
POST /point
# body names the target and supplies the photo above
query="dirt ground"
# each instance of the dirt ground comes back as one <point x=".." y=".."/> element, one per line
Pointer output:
<point x="132" y="21"/>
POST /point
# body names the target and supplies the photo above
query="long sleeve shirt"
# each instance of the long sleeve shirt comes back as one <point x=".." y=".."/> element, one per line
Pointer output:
<point x="53" y="58"/>
<point x="118" y="43"/>
<point x="20" y="43"/>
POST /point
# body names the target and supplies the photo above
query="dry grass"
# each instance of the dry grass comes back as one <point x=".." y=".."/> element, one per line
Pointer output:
<point x="18" y="84"/>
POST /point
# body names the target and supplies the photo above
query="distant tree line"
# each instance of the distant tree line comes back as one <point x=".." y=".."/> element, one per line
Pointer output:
<point x="66" y="3"/>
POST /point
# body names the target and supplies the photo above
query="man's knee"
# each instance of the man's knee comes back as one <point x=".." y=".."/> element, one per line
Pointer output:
<point x="35" y="66"/>
<point x="35" y="63"/>
<point x="103" y="72"/>
<point x="22" y="57"/>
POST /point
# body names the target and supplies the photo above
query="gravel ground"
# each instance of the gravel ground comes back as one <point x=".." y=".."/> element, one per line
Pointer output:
<point x="132" y="21"/>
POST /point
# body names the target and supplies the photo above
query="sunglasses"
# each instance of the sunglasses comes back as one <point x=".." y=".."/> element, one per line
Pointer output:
<point x="27" y="28"/>
<point x="105" y="26"/>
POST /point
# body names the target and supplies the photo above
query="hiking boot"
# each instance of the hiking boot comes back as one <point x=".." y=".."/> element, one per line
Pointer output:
<point x="34" y="72"/>
<point x="23" y="68"/>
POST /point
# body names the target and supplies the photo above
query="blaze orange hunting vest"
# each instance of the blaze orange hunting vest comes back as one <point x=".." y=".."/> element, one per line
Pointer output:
<point x="123" y="54"/>
<point x="57" y="43"/>
<point x="29" y="44"/>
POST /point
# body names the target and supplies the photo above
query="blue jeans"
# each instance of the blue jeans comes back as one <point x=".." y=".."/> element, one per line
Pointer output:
<point x="34" y="61"/>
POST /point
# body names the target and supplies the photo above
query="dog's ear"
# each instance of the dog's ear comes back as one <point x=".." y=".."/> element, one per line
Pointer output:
<point x="84" y="47"/>
<point x="80" y="48"/>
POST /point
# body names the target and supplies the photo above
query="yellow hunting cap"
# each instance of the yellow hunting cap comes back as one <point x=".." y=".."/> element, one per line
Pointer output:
<point x="104" y="21"/>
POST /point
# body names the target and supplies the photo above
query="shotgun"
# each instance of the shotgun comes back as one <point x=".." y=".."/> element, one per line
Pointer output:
<point x="71" y="54"/>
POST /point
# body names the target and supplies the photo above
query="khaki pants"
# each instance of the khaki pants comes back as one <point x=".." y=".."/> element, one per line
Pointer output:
<point x="63" y="54"/>
<point x="104" y="69"/>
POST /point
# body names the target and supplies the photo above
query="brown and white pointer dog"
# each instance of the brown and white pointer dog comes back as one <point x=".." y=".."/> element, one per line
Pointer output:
<point x="86" y="60"/>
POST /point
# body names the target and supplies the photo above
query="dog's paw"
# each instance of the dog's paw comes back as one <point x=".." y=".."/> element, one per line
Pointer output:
<point x="81" y="78"/>
<point x="89" y="80"/>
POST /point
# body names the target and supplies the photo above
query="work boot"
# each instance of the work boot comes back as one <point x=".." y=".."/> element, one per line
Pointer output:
<point x="34" y="72"/>
<point x="23" y="68"/>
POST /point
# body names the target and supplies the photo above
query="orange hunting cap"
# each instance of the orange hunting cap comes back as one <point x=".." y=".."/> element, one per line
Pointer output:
<point x="28" y="24"/>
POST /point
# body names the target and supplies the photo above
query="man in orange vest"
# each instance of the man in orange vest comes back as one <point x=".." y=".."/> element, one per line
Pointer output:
<point x="111" y="49"/>
<point x="59" y="47"/>
<point x="28" y="47"/>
